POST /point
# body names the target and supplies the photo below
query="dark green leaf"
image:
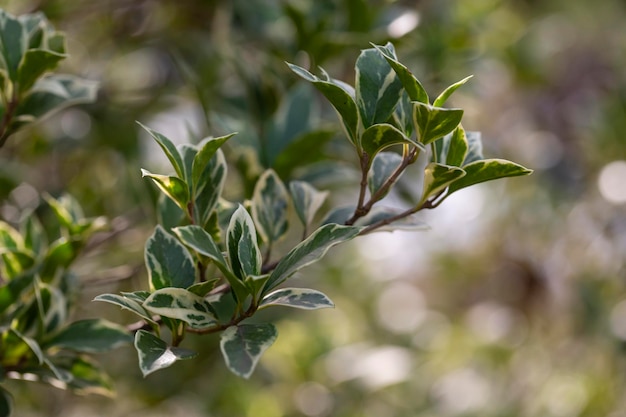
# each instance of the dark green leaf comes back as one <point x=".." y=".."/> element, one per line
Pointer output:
<point x="310" y="250"/>
<point x="269" y="206"/>
<point x="169" y="149"/>
<point x="155" y="354"/>
<point x="6" y="403"/>
<point x="173" y="187"/>
<point x="443" y="97"/>
<point x="203" y="288"/>
<point x="243" y="345"/>
<point x="434" y="122"/>
<point x="13" y="43"/>
<point x="403" y="114"/>
<point x="341" y="100"/>
<point x="437" y="177"/>
<point x="241" y="241"/>
<point x="377" y="87"/>
<point x="32" y="344"/>
<point x="487" y="170"/>
<point x="475" y="148"/>
<point x="168" y="261"/>
<point x="94" y="335"/>
<point x="209" y="188"/>
<point x="453" y="147"/>
<point x="412" y="86"/>
<point x="86" y="376"/>
<point x="306" y="200"/>
<point x="208" y="148"/>
<point x="302" y="298"/>
<point x="180" y="304"/>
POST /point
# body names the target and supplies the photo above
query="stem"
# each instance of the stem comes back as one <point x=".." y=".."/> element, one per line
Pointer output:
<point x="6" y="119"/>
<point x="426" y="205"/>
<point x="233" y="322"/>
<point x="360" y="211"/>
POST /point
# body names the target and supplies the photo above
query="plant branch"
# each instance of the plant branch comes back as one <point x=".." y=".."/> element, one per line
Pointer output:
<point x="7" y="119"/>
<point x="426" y="205"/>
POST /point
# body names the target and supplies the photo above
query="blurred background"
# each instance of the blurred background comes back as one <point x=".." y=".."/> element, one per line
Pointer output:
<point x="513" y="304"/>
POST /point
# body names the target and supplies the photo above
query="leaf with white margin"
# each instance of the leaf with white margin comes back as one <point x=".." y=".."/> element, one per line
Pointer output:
<point x="438" y="177"/>
<point x="241" y="241"/>
<point x="127" y="304"/>
<point x="155" y="354"/>
<point x="168" y="261"/>
<point x="243" y="345"/>
<point x="306" y="200"/>
<point x="269" y="206"/>
<point x="178" y="303"/>
<point x="488" y="170"/>
<point x="303" y="298"/>
<point x="441" y="100"/>
<point x="310" y="250"/>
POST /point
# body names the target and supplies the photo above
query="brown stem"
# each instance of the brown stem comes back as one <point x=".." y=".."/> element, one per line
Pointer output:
<point x="6" y="120"/>
<point x="359" y="211"/>
<point x="426" y="205"/>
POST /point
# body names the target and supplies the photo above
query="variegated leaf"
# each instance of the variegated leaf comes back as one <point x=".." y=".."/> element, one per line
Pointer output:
<point x="381" y="136"/>
<point x="180" y="304"/>
<point x="127" y="304"/>
<point x="241" y="241"/>
<point x="169" y="149"/>
<point x="208" y="188"/>
<point x="168" y="261"/>
<point x="310" y="250"/>
<point x="303" y="298"/>
<point x="487" y="170"/>
<point x="378" y="88"/>
<point x="173" y="187"/>
<point x="434" y="122"/>
<point x="94" y="335"/>
<point x="412" y="86"/>
<point x="339" y="96"/>
<point x="155" y="354"/>
<point x="443" y="97"/>
<point x="437" y="177"/>
<point x="383" y="166"/>
<point x="306" y="200"/>
<point x="243" y="345"/>
<point x="269" y="206"/>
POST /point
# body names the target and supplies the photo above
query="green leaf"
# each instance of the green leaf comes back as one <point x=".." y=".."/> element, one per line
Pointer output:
<point x="302" y="298"/>
<point x="381" y="136"/>
<point x="310" y="250"/>
<point x="180" y="304"/>
<point x="241" y="241"/>
<point x="94" y="335"/>
<point x="36" y="62"/>
<point x="173" y="187"/>
<point x="437" y="177"/>
<point x="6" y="403"/>
<point x="11" y="291"/>
<point x="168" y="261"/>
<point x="411" y="85"/>
<point x="342" y="101"/>
<point x="434" y="122"/>
<point x="403" y="114"/>
<point x="127" y="304"/>
<point x="34" y="236"/>
<point x="453" y="147"/>
<point x="208" y="149"/>
<point x="384" y="164"/>
<point x="86" y="377"/>
<point x="269" y="206"/>
<point x="13" y="43"/>
<point x="169" y="214"/>
<point x="31" y="343"/>
<point x="199" y="240"/>
<point x="243" y="345"/>
<point x="155" y="354"/>
<point x="378" y="88"/>
<point x="256" y="284"/>
<point x="306" y="200"/>
<point x="169" y="149"/>
<point x="443" y="97"/>
<point x="203" y="288"/>
<point x="53" y="92"/>
<point x="209" y="188"/>
<point x="487" y="170"/>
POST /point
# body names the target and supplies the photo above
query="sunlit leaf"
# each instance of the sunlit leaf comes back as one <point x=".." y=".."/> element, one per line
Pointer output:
<point x="168" y="261"/>
<point x="269" y="206"/>
<point x="434" y="122"/>
<point x="453" y="147"/>
<point x="180" y="304"/>
<point x="303" y="298"/>
<point x="487" y="170"/>
<point x="413" y="87"/>
<point x="208" y="149"/>
<point x="437" y="177"/>
<point x="243" y="345"/>
<point x="93" y="335"/>
<point x="310" y="250"/>
<point x="381" y="136"/>
<point x="173" y="187"/>
<point x="155" y="354"/>
<point x="169" y="149"/>
<point x="35" y="63"/>
<point x="443" y="97"/>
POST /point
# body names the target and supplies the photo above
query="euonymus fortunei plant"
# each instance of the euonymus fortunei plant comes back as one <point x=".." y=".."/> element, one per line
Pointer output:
<point x="211" y="265"/>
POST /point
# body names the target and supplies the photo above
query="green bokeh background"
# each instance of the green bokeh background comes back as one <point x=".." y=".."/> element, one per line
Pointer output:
<point x="512" y="305"/>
